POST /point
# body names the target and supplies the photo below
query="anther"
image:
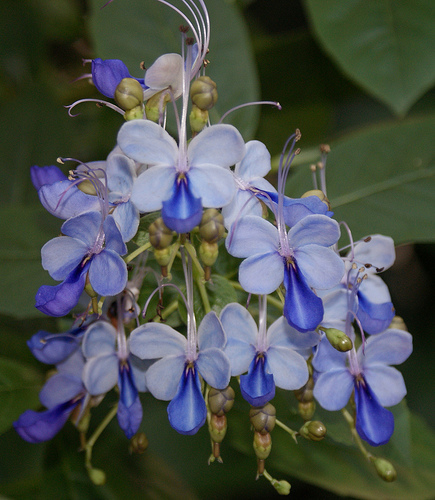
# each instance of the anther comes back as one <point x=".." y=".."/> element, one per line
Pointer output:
<point x="298" y="135"/>
<point x="142" y="65"/>
<point x="184" y="29"/>
<point x="367" y="239"/>
<point x="367" y="266"/>
<point x="325" y="148"/>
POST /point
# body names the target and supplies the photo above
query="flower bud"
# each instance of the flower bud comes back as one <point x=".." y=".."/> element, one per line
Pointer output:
<point x="338" y="339"/>
<point x="134" y="114"/>
<point x="221" y="401"/>
<point x="163" y="257"/>
<point x="262" y="446"/>
<point x="305" y="393"/>
<point x="97" y="476"/>
<point x="319" y="194"/>
<point x="217" y="428"/>
<point x="203" y="92"/>
<point x="314" y="430"/>
<point x="160" y="235"/>
<point x="138" y="443"/>
<point x="208" y="253"/>
<point x="282" y="487"/>
<point x="398" y="323"/>
<point x="211" y="227"/>
<point x="306" y="409"/>
<point x="129" y="94"/>
<point x="263" y="418"/>
<point x="385" y="469"/>
<point x="156" y="104"/>
<point x="198" y="119"/>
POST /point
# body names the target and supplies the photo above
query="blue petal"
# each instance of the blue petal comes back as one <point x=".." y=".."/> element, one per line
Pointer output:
<point x="375" y="318"/>
<point x="187" y="411"/>
<point x="257" y="387"/>
<point x="373" y="423"/>
<point x="108" y="273"/>
<point x="106" y="75"/>
<point x="129" y="407"/>
<point x="60" y="299"/>
<point x="182" y="211"/>
<point x="61" y="387"/>
<point x="302" y="308"/>
<point x="45" y="175"/>
<point x="37" y="427"/>
<point x="113" y="236"/>
<point x="52" y="348"/>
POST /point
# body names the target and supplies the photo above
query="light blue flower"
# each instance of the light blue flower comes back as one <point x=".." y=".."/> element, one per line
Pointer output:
<point x="272" y="358"/>
<point x="368" y="373"/>
<point x="175" y="376"/>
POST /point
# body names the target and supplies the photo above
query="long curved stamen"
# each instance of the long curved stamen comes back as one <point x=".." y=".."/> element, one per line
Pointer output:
<point x="353" y="362"/>
<point x="262" y="324"/>
<point x="191" y="354"/>
<point x="253" y="103"/>
<point x="98" y="101"/>
<point x="120" y="332"/>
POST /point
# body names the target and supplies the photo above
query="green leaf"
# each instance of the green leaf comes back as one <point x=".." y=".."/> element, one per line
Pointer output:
<point x="381" y="180"/>
<point x="20" y="257"/>
<point x="385" y="46"/>
<point x="146" y="30"/>
<point x="19" y="387"/>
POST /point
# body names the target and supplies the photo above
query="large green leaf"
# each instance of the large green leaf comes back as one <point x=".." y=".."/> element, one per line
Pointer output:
<point x="147" y="29"/>
<point x="385" y="46"/>
<point x="381" y="180"/>
<point x="19" y="386"/>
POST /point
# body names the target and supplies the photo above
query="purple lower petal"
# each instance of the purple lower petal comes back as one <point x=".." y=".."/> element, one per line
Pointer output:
<point x="129" y="406"/>
<point x="182" y="211"/>
<point x="52" y="348"/>
<point x="36" y="427"/>
<point x="373" y="423"/>
<point x="257" y="387"/>
<point x="303" y="309"/>
<point x="187" y="411"/>
<point x="375" y="318"/>
<point x="46" y="175"/>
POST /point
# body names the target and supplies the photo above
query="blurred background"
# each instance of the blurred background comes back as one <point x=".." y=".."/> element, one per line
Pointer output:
<point x="358" y="75"/>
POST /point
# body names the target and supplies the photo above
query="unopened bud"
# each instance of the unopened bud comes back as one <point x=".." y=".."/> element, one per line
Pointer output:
<point x="263" y="418"/>
<point x="305" y="393"/>
<point x="156" y="104"/>
<point x="211" y="227"/>
<point x="314" y="430"/>
<point x="398" y="323"/>
<point x="129" y="94"/>
<point x="203" y="92"/>
<point x="163" y="257"/>
<point x="217" y="428"/>
<point x="338" y="339"/>
<point x="385" y="469"/>
<point x="319" y="194"/>
<point x="282" y="487"/>
<point x="306" y="409"/>
<point x="262" y="445"/>
<point x="198" y="119"/>
<point x="221" y="401"/>
<point x="208" y="252"/>
<point x="138" y="443"/>
<point x="134" y="114"/>
<point x="97" y="476"/>
<point x="160" y="235"/>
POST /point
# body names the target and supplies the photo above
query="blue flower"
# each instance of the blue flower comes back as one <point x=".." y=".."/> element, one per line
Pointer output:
<point x="108" y="73"/>
<point x="367" y="372"/>
<point x="302" y="259"/>
<point x="90" y="248"/>
<point x="271" y="358"/>
<point x="175" y="376"/>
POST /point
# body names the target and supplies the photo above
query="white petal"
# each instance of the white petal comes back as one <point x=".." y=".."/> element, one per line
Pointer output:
<point x="251" y="236"/>
<point x="153" y="187"/>
<point x="155" y="340"/>
<point x="386" y="382"/>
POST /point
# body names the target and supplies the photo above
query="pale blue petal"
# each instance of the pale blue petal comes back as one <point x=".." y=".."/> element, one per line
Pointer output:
<point x="262" y="274"/>
<point x="210" y="332"/>
<point x="84" y="227"/>
<point x="99" y="339"/>
<point x="386" y="383"/>
<point x="326" y="358"/>
<point x="289" y="368"/>
<point x="166" y="71"/>
<point x="220" y="145"/>
<point x="374" y="289"/>
<point x="152" y="187"/>
<point x="213" y="184"/>
<point x="163" y="377"/>
<point x="214" y="367"/>
<point x="314" y="229"/>
<point x="240" y="355"/>
<point x="108" y="273"/>
<point x="333" y="389"/>
<point x="251" y="236"/>
<point x="321" y="267"/>
<point x="391" y="347"/>
<point x="59" y="388"/>
<point x="281" y="334"/>
<point x="255" y="163"/>
<point x="335" y="306"/>
<point x="379" y="252"/>
<point x="113" y="236"/>
<point x="139" y="368"/>
<point x="155" y="340"/>
<point x="61" y="255"/>
<point x="239" y="324"/>
<point x="121" y="172"/>
<point x="244" y="203"/>
<point x="126" y="216"/>
<point x="100" y="374"/>
<point x="147" y="142"/>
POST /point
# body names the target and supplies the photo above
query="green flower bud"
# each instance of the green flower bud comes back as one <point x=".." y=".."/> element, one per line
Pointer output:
<point x="338" y="339"/>
<point x="97" y="476"/>
<point x="129" y="94"/>
<point x="319" y="194"/>
<point x="385" y="469"/>
<point x="217" y="428"/>
<point x="203" y="92"/>
<point x="156" y="105"/>
<point x="198" y="119"/>
<point x="282" y="487"/>
<point x="262" y="445"/>
<point x="208" y="252"/>
<point x="314" y="430"/>
<point x="263" y="418"/>
<point x="138" y="443"/>
<point x="211" y="227"/>
<point x="398" y="323"/>
<point x="87" y="187"/>
<point x="305" y="393"/>
<point x="221" y="402"/>
<point x="160" y="235"/>
<point x="163" y="257"/>
<point x="134" y="114"/>
<point x="306" y="409"/>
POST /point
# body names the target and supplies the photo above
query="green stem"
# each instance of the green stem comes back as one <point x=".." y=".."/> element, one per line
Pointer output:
<point x="271" y="300"/>
<point x="192" y="252"/>
<point x="167" y="311"/>
<point x="137" y="252"/>
<point x="203" y="292"/>
<point x="92" y="440"/>
<point x="349" y="419"/>
<point x="292" y="433"/>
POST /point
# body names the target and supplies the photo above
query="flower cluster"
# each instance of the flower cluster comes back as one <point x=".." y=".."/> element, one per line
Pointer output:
<point x="189" y="190"/>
